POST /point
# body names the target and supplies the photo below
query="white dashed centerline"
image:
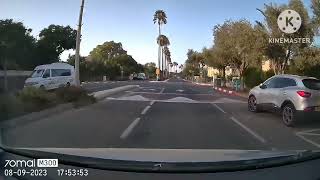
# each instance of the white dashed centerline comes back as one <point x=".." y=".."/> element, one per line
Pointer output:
<point x="161" y="90"/>
<point x="129" y="129"/>
<point x="220" y="109"/>
<point x="254" y="134"/>
<point x="145" y="110"/>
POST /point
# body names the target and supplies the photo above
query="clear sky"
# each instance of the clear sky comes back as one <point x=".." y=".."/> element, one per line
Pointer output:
<point x="190" y="22"/>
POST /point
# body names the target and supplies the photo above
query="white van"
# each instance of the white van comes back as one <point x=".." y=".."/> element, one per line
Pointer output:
<point x="51" y="76"/>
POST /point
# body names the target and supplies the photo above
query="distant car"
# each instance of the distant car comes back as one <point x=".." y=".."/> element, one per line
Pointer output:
<point x="139" y="76"/>
<point x="51" y="76"/>
<point x="296" y="97"/>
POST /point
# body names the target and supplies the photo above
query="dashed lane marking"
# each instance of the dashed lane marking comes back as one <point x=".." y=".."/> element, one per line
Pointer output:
<point x="129" y="129"/>
<point x="307" y="140"/>
<point x="145" y="110"/>
<point x="220" y="109"/>
<point x="254" y="134"/>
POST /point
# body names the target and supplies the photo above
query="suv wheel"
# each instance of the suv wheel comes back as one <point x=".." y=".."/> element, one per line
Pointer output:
<point x="289" y="115"/>
<point x="68" y="84"/>
<point x="252" y="104"/>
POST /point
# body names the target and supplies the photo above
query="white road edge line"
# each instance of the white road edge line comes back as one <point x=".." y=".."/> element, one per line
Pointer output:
<point x="308" y="140"/>
<point x="152" y="102"/>
<point x="161" y="90"/>
<point x="145" y="110"/>
<point x="220" y="109"/>
<point x="308" y="131"/>
<point x="254" y="134"/>
<point x="309" y="134"/>
<point x="129" y="129"/>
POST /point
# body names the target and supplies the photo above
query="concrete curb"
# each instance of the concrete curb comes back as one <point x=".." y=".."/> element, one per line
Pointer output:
<point x="34" y="116"/>
<point x="204" y="84"/>
<point x="230" y="92"/>
<point x="99" y="95"/>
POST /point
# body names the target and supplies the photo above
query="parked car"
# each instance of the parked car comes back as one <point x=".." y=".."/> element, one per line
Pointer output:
<point x="51" y="76"/>
<point x="296" y="97"/>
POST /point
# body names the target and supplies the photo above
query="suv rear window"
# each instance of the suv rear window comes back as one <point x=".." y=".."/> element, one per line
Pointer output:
<point x="312" y="83"/>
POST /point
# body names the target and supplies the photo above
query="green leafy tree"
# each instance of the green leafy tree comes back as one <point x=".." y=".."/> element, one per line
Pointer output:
<point x="239" y="44"/>
<point x="107" y="51"/>
<point x="307" y="62"/>
<point x="315" y="6"/>
<point x="16" y="45"/>
<point x="280" y="54"/>
<point x="150" y="69"/>
<point x="53" y="40"/>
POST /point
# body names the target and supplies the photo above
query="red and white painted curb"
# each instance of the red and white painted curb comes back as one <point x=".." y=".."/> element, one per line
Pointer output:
<point x="225" y="91"/>
<point x="204" y="84"/>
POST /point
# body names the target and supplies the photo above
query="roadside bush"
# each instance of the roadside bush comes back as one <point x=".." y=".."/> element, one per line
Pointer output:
<point x="70" y="94"/>
<point x="253" y="77"/>
<point x="267" y="74"/>
<point x="36" y="99"/>
<point x="10" y="106"/>
<point x="77" y="95"/>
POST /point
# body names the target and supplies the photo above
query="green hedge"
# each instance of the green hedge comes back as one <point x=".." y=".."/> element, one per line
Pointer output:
<point x="255" y="76"/>
<point x="32" y="99"/>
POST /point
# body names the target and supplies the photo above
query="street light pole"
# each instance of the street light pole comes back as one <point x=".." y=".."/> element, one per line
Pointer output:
<point x="77" y="56"/>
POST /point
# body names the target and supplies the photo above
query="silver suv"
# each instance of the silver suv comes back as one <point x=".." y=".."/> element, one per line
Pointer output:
<point x="296" y="97"/>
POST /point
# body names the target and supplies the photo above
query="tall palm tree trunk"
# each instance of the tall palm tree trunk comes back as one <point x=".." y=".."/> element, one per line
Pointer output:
<point x="162" y="55"/>
<point x="159" y="54"/>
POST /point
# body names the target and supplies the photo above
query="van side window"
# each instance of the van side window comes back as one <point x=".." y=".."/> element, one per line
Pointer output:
<point x="46" y="74"/>
<point x="60" y="72"/>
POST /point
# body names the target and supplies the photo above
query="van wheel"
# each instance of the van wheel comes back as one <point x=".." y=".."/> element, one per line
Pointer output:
<point x="289" y="117"/>
<point x="68" y="84"/>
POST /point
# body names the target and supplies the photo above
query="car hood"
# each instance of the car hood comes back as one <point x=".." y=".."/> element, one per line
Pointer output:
<point x="166" y="155"/>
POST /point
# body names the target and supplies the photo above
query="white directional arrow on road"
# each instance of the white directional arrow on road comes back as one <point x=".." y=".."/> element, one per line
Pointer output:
<point x="179" y="90"/>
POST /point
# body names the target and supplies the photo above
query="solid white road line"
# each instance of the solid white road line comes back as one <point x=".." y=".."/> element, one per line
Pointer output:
<point x="145" y="110"/>
<point x="152" y="102"/>
<point x="129" y="129"/>
<point x="161" y="90"/>
<point x="308" y="140"/>
<point x="220" y="109"/>
<point x="254" y="134"/>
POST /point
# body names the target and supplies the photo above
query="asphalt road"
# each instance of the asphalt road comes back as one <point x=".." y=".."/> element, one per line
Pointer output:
<point x="172" y="114"/>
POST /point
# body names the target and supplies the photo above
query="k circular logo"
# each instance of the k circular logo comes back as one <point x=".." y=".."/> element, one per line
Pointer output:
<point x="289" y="21"/>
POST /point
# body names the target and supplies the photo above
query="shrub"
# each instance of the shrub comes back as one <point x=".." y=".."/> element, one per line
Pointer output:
<point x="253" y="77"/>
<point x="70" y="94"/>
<point x="10" y="106"/>
<point x="268" y="74"/>
<point x="77" y="95"/>
<point x="36" y="99"/>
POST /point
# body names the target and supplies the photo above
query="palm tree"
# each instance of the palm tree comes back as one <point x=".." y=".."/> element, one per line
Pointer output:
<point x="181" y="67"/>
<point x="175" y="64"/>
<point x="166" y="59"/>
<point x="163" y="41"/>
<point x="160" y="18"/>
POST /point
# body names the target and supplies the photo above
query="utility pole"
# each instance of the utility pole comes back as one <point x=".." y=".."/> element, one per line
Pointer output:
<point x="77" y="56"/>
